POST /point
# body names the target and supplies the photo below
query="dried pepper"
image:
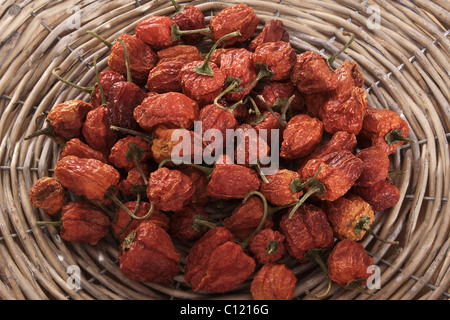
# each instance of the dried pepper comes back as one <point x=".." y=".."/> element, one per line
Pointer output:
<point x="273" y="282"/>
<point x="48" y="194"/>
<point x="273" y="31"/>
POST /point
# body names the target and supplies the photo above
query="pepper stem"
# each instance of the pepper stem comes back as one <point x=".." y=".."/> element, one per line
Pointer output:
<point x="314" y="254"/>
<point x="138" y="201"/>
<point x="48" y="131"/>
<point x="234" y="83"/>
<point x="331" y="59"/>
<point x="135" y="153"/>
<point x="89" y="90"/>
<point x="100" y="87"/>
<point x="281" y="122"/>
<point x="272" y="247"/>
<point x="372" y="233"/>
<point x="52" y="223"/>
<point x="127" y="60"/>
<point x="205" y="67"/>
<point x="395" y="136"/>
<point x="146" y="137"/>
<point x="245" y="243"/>
<point x="107" y="43"/>
<point x="177" y="33"/>
<point x="263" y="72"/>
<point x="257" y="167"/>
<point x="357" y="284"/>
<point x="116" y="200"/>
<point x="200" y="224"/>
<point x="177" y="6"/>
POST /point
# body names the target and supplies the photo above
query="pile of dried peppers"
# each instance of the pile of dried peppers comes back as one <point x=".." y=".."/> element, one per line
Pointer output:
<point x="115" y="161"/>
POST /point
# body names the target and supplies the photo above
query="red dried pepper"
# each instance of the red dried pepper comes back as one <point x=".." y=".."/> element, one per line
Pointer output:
<point x="76" y="147"/>
<point x="169" y="190"/>
<point x="348" y="264"/>
<point x="375" y="166"/>
<point x="250" y="147"/>
<point x="48" y="194"/>
<point x="216" y="263"/>
<point x="106" y="78"/>
<point x="267" y="246"/>
<point x="273" y="30"/>
<point x="273" y="282"/>
<point x="279" y="57"/>
<point x="156" y="32"/>
<point x="172" y="109"/>
<point x="182" y="223"/>
<point x="381" y="195"/>
<point x="129" y="152"/>
<point x="97" y="132"/>
<point x="180" y="52"/>
<point x="278" y="189"/>
<point x="134" y="180"/>
<point x="238" y="17"/>
<point x="164" y="77"/>
<point x="123" y="224"/>
<point x="90" y="178"/>
<point x="383" y="128"/>
<point x="231" y="181"/>
<point x="301" y="136"/>
<point x="200" y="181"/>
<point x="276" y="93"/>
<point x="213" y="117"/>
<point x="148" y="255"/>
<point x="141" y="58"/>
<point x="351" y="217"/>
<point x="189" y="18"/>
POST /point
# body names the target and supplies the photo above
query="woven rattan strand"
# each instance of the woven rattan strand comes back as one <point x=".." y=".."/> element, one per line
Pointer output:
<point x="402" y="48"/>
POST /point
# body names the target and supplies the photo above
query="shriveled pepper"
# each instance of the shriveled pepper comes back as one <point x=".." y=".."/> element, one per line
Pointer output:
<point x="278" y="190"/>
<point x="267" y="246"/>
<point x="351" y="217"/>
<point x="97" y="130"/>
<point x="172" y="109"/>
<point x="181" y="53"/>
<point x="169" y="190"/>
<point x="278" y="56"/>
<point x="273" y="30"/>
<point x="135" y="179"/>
<point x="239" y="17"/>
<point x="375" y="166"/>
<point x="90" y="178"/>
<point x="273" y="282"/>
<point x="182" y="223"/>
<point x="276" y="93"/>
<point x="381" y="195"/>
<point x="148" y="255"/>
<point x="164" y="77"/>
<point x="82" y="222"/>
<point x="48" y="194"/>
<point x="76" y="147"/>
<point x="301" y="136"/>
<point x="200" y="181"/>
<point x="348" y="264"/>
<point x="216" y="263"/>
<point x="250" y="147"/>
<point x="129" y="152"/>
<point x="383" y="128"/>
<point x="213" y="117"/>
<point x="107" y="78"/>
<point x="123" y="224"/>
<point x="189" y="18"/>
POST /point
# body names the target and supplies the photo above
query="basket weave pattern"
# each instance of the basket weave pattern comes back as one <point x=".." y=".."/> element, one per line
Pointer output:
<point x="403" y="50"/>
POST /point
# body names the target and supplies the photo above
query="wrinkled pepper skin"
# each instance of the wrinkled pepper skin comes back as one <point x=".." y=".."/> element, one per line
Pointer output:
<point x="156" y="32"/>
<point x="107" y="79"/>
<point x="273" y="282"/>
<point x="151" y="256"/>
<point x="278" y="191"/>
<point x="245" y="218"/>
<point x="164" y="77"/>
<point x="273" y="30"/>
<point x="48" y="194"/>
<point x="377" y="124"/>
<point x="375" y="166"/>
<point x="67" y="118"/>
<point x="311" y="74"/>
<point x="190" y="18"/>
<point x="142" y="58"/>
<point x="133" y="178"/>
<point x="181" y="223"/>
<point x="169" y="190"/>
<point x="258" y="246"/>
<point x="276" y="90"/>
<point x="83" y="223"/>
<point x="279" y="56"/>
<point x="244" y="154"/>
<point x="76" y="147"/>
<point x="122" y="219"/>
<point x="301" y="136"/>
<point x="344" y="214"/>
<point x="118" y="156"/>
<point x="181" y="52"/>
<point x="381" y="196"/>
<point x="307" y="229"/>
<point x="216" y="263"/>
<point x="348" y="261"/>
<point x="201" y="88"/>
<point x="236" y="17"/>
<point x="213" y="117"/>
<point x="232" y="181"/>
<point x="97" y="132"/>
<point x="238" y="64"/>
<point x="90" y="178"/>
<point x="172" y="109"/>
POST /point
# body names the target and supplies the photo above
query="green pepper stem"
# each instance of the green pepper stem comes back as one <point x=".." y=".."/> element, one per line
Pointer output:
<point x="372" y="233"/>
<point x="261" y="224"/>
<point x="281" y="122"/>
<point x="177" y="6"/>
<point x="257" y="167"/>
<point x="89" y="90"/>
<point x="314" y="254"/>
<point x="131" y="214"/>
<point x="138" y="201"/>
<point x="127" y="60"/>
<point x="48" y="131"/>
<point x="272" y="247"/>
<point x="136" y="153"/>
<point x="107" y="43"/>
<point x="205" y="67"/>
<point x="146" y="137"/>
<point x="200" y="224"/>
<point x="100" y="87"/>
<point x="177" y="33"/>
<point x="223" y="93"/>
<point x="395" y="136"/>
<point x="263" y="72"/>
<point x="52" y="223"/>
<point x="315" y="188"/>
<point x="356" y="284"/>
<point x="331" y="59"/>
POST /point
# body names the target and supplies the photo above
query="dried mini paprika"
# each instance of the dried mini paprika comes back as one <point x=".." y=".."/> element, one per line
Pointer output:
<point x="164" y="77"/>
<point x="189" y="18"/>
<point x="381" y="195"/>
<point x="267" y="246"/>
<point x="375" y="166"/>
<point x="48" y="194"/>
<point x="278" y="189"/>
<point x="129" y="152"/>
<point x="76" y="147"/>
<point x="97" y="131"/>
<point x="278" y="56"/>
<point x="148" y="255"/>
<point x="273" y="282"/>
<point x="182" y="223"/>
<point x="273" y="30"/>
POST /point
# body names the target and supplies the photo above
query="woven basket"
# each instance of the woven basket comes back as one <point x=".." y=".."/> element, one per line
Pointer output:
<point x="402" y="48"/>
